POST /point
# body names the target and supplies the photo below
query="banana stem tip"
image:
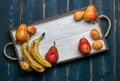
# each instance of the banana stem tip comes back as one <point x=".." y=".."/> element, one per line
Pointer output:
<point x="43" y="34"/>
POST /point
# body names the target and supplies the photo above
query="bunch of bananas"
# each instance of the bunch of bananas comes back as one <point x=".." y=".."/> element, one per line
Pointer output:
<point x="33" y="56"/>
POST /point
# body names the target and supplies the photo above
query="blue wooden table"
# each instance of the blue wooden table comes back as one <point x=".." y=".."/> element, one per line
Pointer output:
<point x="102" y="67"/>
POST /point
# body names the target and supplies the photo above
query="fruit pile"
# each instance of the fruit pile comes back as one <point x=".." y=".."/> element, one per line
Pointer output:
<point x="89" y="15"/>
<point x="84" y="45"/>
<point x="95" y="35"/>
<point x="32" y="57"/>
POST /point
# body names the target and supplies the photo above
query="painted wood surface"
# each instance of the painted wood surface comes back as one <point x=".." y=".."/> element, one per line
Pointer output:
<point x="117" y="39"/>
<point x="102" y="67"/>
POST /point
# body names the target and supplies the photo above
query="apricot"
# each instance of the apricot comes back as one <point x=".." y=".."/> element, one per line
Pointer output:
<point x="95" y="34"/>
<point x="31" y="29"/>
<point x="97" y="45"/>
<point x="25" y="66"/>
<point x="78" y="15"/>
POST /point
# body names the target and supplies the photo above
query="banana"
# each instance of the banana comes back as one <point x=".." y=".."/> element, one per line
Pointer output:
<point x="30" y="60"/>
<point x="36" y="54"/>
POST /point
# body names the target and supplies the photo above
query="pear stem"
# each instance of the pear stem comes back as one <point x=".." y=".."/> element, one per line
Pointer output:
<point x="90" y="2"/>
<point x="54" y="43"/>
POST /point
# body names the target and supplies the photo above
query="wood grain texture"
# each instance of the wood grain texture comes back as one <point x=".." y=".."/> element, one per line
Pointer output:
<point x="76" y="4"/>
<point x="103" y="65"/>
<point x="79" y="70"/>
<point x="31" y="10"/>
<point x="9" y="18"/>
<point x="14" y="17"/>
<point x="117" y="40"/>
<point x="55" y="7"/>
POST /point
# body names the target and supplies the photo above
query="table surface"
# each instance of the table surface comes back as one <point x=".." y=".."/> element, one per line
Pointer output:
<point x="102" y="67"/>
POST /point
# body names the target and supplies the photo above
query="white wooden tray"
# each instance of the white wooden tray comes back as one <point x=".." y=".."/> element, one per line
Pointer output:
<point x="66" y="32"/>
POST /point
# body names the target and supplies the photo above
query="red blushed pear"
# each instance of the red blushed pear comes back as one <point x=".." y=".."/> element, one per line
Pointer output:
<point x="84" y="46"/>
<point x="21" y="33"/>
<point x="90" y="13"/>
<point x="52" y="54"/>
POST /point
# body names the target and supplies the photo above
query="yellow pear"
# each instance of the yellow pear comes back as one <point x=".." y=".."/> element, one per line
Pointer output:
<point x="90" y="13"/>
<point x="21" y="33"/>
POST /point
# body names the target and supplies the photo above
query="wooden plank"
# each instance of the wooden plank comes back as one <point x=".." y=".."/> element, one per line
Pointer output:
<point x="76" y="4"/>
<point x="32" y="10"/>
<point x="54" y="7"/>
<point x="103" y="65"/>
<point x="10" y="18"/>
<point x="15" y="16"/>
<point x="79" y="70"/>
<point x="117" y="25"/>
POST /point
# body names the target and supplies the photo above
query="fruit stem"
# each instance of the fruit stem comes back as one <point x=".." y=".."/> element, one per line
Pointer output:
<point x="54" y="43"/>
<point x="90" y="2"/>
<point x="43" y="34"/>
<point x="41" y="37"/>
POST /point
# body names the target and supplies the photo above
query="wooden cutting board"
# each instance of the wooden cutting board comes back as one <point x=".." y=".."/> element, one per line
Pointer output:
<point x="66" y="32"/>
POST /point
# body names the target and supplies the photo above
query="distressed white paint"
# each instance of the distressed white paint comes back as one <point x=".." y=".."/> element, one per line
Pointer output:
<point x="66" y="33"/>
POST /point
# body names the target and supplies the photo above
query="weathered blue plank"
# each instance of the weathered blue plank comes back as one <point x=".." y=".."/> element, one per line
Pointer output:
<point x="57" y="73"/>
<point x="62" y="72"/>
<point x="35" y="76"/>
<point x="76" y="4"/>
<point x="9" y="18"/>
<point x="31" y="10"/>
<point x="103" y="65"/>
<point x="54" y="7"/>
<point x="50" y="74"/>
<point x="14" y="17"/>
<point x="79" y="70"/>
<point x="117" y="25"/>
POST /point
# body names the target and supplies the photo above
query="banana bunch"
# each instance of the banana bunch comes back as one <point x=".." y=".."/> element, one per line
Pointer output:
<point x="36" y="54"/>
<point x="33" y="56"/>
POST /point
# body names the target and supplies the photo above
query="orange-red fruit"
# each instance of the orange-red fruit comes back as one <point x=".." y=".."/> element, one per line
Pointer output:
<point x="95" y="34"/>
<point x="97" y="45"/>
<point x="78" y="15"/>
<point x="25" y="66"/>
<point x="52" y="54"/>
<point x="21" y="33"/>
<point x="90" y="13"/>
<point x="84" y="46"/>
<point x="31" y="29"/>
